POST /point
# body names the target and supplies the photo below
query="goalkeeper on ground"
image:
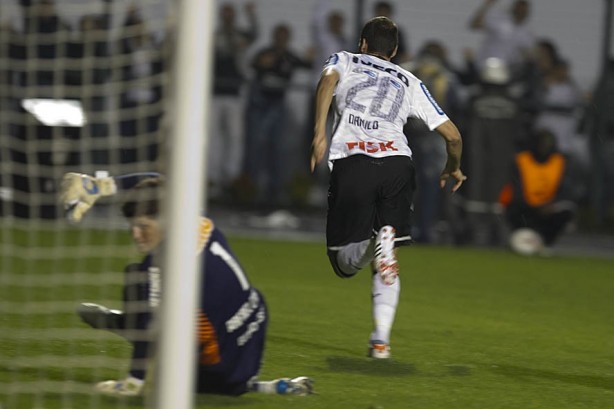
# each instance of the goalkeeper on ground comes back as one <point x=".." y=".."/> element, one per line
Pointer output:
<point x="232" y="315"/>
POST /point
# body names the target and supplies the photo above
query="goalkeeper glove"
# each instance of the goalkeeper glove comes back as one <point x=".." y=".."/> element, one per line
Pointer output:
<point x="130" y="386"/>
<point x="79" y="192"/>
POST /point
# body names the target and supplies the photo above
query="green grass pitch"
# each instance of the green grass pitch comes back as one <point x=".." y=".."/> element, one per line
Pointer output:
<point x="474" y="328"/>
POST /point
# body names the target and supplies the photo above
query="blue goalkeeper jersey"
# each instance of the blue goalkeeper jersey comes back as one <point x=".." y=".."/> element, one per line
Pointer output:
<point x="232" y="316"/>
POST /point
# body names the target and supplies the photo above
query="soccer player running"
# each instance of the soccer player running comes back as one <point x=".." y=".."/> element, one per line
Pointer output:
<point x="372" y="177"/>
<point x="232" y="314"/>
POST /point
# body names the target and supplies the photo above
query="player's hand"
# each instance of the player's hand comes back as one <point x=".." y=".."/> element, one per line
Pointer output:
<point x="455" y="174"/>
<point x="79" y="192"/>
<point x="318" y="150"/>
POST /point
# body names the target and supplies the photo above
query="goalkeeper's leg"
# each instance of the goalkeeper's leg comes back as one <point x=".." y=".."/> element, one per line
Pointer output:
<point x="301" y="386"/>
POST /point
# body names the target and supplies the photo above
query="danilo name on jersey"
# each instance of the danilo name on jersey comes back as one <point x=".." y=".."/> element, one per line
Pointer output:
<point x="358" y="121"/>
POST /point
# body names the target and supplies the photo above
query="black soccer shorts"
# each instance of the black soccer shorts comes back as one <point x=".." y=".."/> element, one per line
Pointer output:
<point x="367" y="193"/>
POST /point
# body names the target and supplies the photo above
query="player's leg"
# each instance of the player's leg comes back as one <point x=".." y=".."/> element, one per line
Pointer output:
<point x="300" y="386"/>
<point x="552" y="225"/>
<point x="132" y="324"/>
<point x="385" y="301"/>
<point x="395" y="203"/>
<point x="351" y="215"/>
<point x="393" y="224"/>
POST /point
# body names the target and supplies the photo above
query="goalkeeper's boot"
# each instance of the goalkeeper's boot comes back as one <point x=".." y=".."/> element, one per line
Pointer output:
<point x="124" y="387"/>
<point x="385" y="261"/>
<point x="379" y="350"/>
<point x="100" y="317"/>
<point x="300" y="386"/>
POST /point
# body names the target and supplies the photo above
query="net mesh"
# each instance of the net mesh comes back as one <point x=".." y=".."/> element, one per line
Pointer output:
<point x="82" y="88"/>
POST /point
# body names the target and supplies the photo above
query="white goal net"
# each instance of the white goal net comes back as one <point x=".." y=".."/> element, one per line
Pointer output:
<point x="83" y="87"/>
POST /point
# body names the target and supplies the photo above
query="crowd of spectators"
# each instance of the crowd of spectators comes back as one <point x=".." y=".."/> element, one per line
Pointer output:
<point x="117" y="75"/>
<point x="515" y="85"/>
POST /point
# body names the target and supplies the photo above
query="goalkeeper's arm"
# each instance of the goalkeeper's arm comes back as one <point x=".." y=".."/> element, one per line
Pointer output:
<point x="79" y="192"/>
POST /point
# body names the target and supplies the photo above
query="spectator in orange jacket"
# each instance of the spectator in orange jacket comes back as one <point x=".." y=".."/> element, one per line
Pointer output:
<point x="538" y="195"/>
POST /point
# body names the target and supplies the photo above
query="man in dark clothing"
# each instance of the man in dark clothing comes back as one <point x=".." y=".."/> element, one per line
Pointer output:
<point x="274" y="67"/>
<point x="226" y="143"/>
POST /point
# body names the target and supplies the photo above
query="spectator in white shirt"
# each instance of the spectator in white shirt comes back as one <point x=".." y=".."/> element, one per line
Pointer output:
<point x="506" y="35"/>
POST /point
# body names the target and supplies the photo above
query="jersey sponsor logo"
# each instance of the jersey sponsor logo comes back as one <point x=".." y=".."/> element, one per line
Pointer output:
<point x="372" y="147"/>
<point x="388" y="70"/>
<point x="431" y="99"/>
<point x="332" y="60"/>
<point x="358" y="121"/>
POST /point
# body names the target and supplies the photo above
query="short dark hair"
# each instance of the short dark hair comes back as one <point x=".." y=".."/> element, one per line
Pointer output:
<point x="381" y="34"/>
<point x="144" y="198"/>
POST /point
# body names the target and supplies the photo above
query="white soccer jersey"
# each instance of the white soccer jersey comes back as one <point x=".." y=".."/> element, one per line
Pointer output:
<point x="373" y="100"/>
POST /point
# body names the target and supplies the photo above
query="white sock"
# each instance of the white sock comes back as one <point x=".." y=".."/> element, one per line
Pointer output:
<point x="355" y="256"/>
<point x="385" y="301"/>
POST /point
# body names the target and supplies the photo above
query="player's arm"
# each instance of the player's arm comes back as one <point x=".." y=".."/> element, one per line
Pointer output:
<point x="478" y="21"/>
<point x="254" y="28"/>
<point x="454" y="148"/>
<point x="324" y="97"/>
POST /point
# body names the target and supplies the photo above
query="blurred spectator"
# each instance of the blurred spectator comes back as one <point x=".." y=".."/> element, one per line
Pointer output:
<point x="469" y="73"/>
<point x="36" y="74"/>
<point x="431" y="66"/>
<point x="226" y="134"/>
<point x="90" y="53"/>
<point x="538" y="195"/>
<point x="385" y="8"/>
<point x="142" y="83"/>
<point x="506" y="35"/>
<point x="91" y="48"/>
<point x="328" y="38"/>
<point x="545" y="57"/>
<point x="46" y="38"/>
<point x="559" y="102"/>
<point x="266" y="112"/>
<point x="599" y="123"/>
<point x="553" y="101"/>
<point x="493" y="133"/>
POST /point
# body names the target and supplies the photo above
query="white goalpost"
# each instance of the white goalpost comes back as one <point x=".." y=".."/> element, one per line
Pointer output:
<point x="88" y="85"/>
<point x="190" y="105"/>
